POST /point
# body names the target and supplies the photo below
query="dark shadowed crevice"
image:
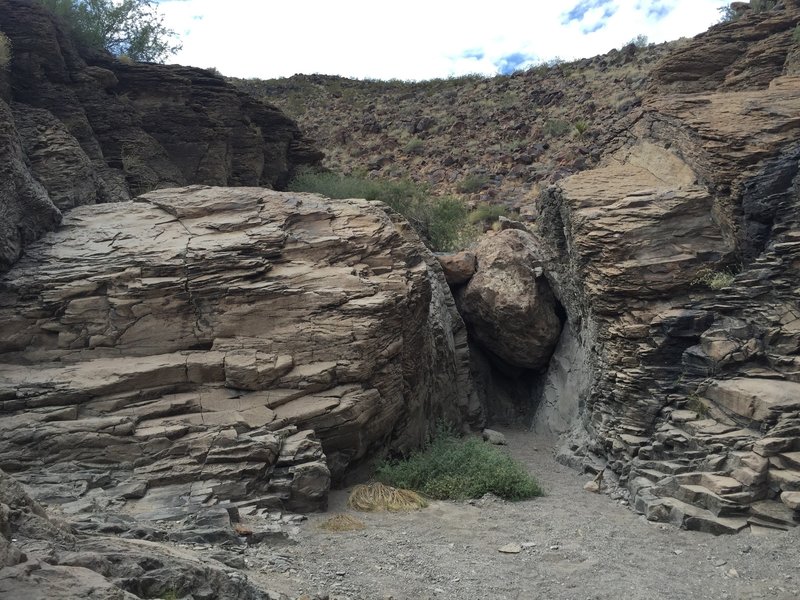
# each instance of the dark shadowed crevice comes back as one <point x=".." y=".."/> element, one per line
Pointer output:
<point x="510" y="394"/>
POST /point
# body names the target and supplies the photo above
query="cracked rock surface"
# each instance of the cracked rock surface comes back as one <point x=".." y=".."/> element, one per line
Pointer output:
<point x="232" y="346"/>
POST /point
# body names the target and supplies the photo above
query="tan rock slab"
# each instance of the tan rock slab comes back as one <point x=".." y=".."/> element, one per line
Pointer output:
<point x="755" y="398"/>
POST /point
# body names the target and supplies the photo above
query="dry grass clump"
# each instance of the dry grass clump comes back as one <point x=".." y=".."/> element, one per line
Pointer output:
<point x="716" y="280"/>
<point x="5" y="50"/>
<point x="342" y="522"/>
<point x="377" y="496"/>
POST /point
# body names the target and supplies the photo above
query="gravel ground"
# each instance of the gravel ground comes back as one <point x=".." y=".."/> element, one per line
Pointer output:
<point x="576" y="545"/>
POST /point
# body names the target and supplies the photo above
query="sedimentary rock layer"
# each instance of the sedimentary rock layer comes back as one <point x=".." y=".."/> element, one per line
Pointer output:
<point x="676" y="261"/>
<point x="218" y="345"/>
<point x="77" y="127"/>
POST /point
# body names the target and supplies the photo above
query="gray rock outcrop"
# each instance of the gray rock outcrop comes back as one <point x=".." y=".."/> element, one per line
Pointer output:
<point x="222" y="345"/>
<point x="77" y="127"/>
<point x="44" y="558"/>
<point x="675" y="261"/>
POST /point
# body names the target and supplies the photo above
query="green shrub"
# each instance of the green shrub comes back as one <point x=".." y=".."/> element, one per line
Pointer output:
<point x="441" y="221"/>
<point x="580" y="128"/>
<point x="334" y="186"/>
<point x="452" y="468"/>
<point x="556" y="128"/>
<point x="640" y="41"/>
<point x="5" y="51"/>
<point x="472" y="183"/>
<point x="415" y="146"/>
<point x="796" y="35"/>
<point x="694" y="403"/>
<point x="487" y="213"/>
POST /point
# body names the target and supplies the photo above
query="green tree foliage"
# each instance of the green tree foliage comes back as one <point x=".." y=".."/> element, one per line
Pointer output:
<point x="133" y="28"/>
<point x="440" y="221"/>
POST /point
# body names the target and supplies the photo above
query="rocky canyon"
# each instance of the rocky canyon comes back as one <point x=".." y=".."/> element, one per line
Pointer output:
<point x="193" y="359"/>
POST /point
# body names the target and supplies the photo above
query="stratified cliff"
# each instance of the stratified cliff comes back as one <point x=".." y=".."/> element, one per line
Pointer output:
<point x="77" y="127"/>
<point x="677" y="263"/>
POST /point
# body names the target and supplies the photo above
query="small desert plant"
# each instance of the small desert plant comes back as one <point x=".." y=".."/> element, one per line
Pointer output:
<point x="454" y="468"/>
<point x="5" y="51"/>
<point x="415" y="146"/>
<point x="556" y="128"/>
<point x="694" y="403"/>
<point x="342" y="522"/>
<point x="487" y="213"/>
<point x="472" y="183"/>
<point x="373" y="497"/>
<point x="640" y="41"/>
<point x="716" y="280"/>
<point x="580" y="128"/>
<point x="796" y="35"/>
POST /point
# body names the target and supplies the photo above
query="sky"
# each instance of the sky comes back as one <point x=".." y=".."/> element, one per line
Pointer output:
<point x="416" y="39"/>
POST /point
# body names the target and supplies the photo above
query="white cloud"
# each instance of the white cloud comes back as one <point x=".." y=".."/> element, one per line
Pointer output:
<point x="415" y="39"/>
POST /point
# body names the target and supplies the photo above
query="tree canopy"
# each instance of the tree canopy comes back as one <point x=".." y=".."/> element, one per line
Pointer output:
<point x="133" y="28"/>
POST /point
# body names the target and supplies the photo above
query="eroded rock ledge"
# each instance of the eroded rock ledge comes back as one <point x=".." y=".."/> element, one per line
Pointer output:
<point x="676" y="261"/>
<point x="221" y="345"/>
<point x="78" y="127"/>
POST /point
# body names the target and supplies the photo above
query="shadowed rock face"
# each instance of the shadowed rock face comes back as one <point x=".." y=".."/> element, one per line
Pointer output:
<point x="77" y="127"/>
<point x="676" y="261"/>
<point x="199" y="341"/>
<point x="42" y="558"/>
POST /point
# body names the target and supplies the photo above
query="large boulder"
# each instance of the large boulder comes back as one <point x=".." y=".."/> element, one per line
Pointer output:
<point x="508" y="304"/>
<point x="222" y="345"/>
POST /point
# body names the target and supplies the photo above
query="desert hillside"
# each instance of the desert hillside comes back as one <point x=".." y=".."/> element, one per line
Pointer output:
<point x="493" y="139"/>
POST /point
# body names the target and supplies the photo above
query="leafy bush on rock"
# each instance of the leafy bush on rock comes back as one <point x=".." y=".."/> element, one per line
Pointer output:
<point x="441" y="221"/>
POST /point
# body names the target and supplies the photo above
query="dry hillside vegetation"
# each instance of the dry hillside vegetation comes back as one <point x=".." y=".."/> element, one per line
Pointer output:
<point x="491" y="139"/>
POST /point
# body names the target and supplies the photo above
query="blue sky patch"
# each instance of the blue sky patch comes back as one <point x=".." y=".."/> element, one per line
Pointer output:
<point x="513" y="62"/>
<point x="577" y="12"/>
<point x="595" y="27"/>
<point x="658" y="11"/>
<point x="476" y="54"/>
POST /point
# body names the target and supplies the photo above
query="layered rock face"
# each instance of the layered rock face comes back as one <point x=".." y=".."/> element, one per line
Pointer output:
<point x="676" y="261"/>
<point x="77" y="127"/>
<point x="232" y="346"/>
<point x="42" y="557"/>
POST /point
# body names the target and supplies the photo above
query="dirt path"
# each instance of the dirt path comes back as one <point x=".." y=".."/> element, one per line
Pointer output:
<point x="579" y="546"/>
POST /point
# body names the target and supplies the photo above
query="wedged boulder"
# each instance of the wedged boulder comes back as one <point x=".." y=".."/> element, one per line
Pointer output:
<point x="227" y="345"/>
<point x="508" y="304"/>
<point x="458" y="267"/>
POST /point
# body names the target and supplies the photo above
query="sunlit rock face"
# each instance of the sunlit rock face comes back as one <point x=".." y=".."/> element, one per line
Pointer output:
<point x="229" y="344"/>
